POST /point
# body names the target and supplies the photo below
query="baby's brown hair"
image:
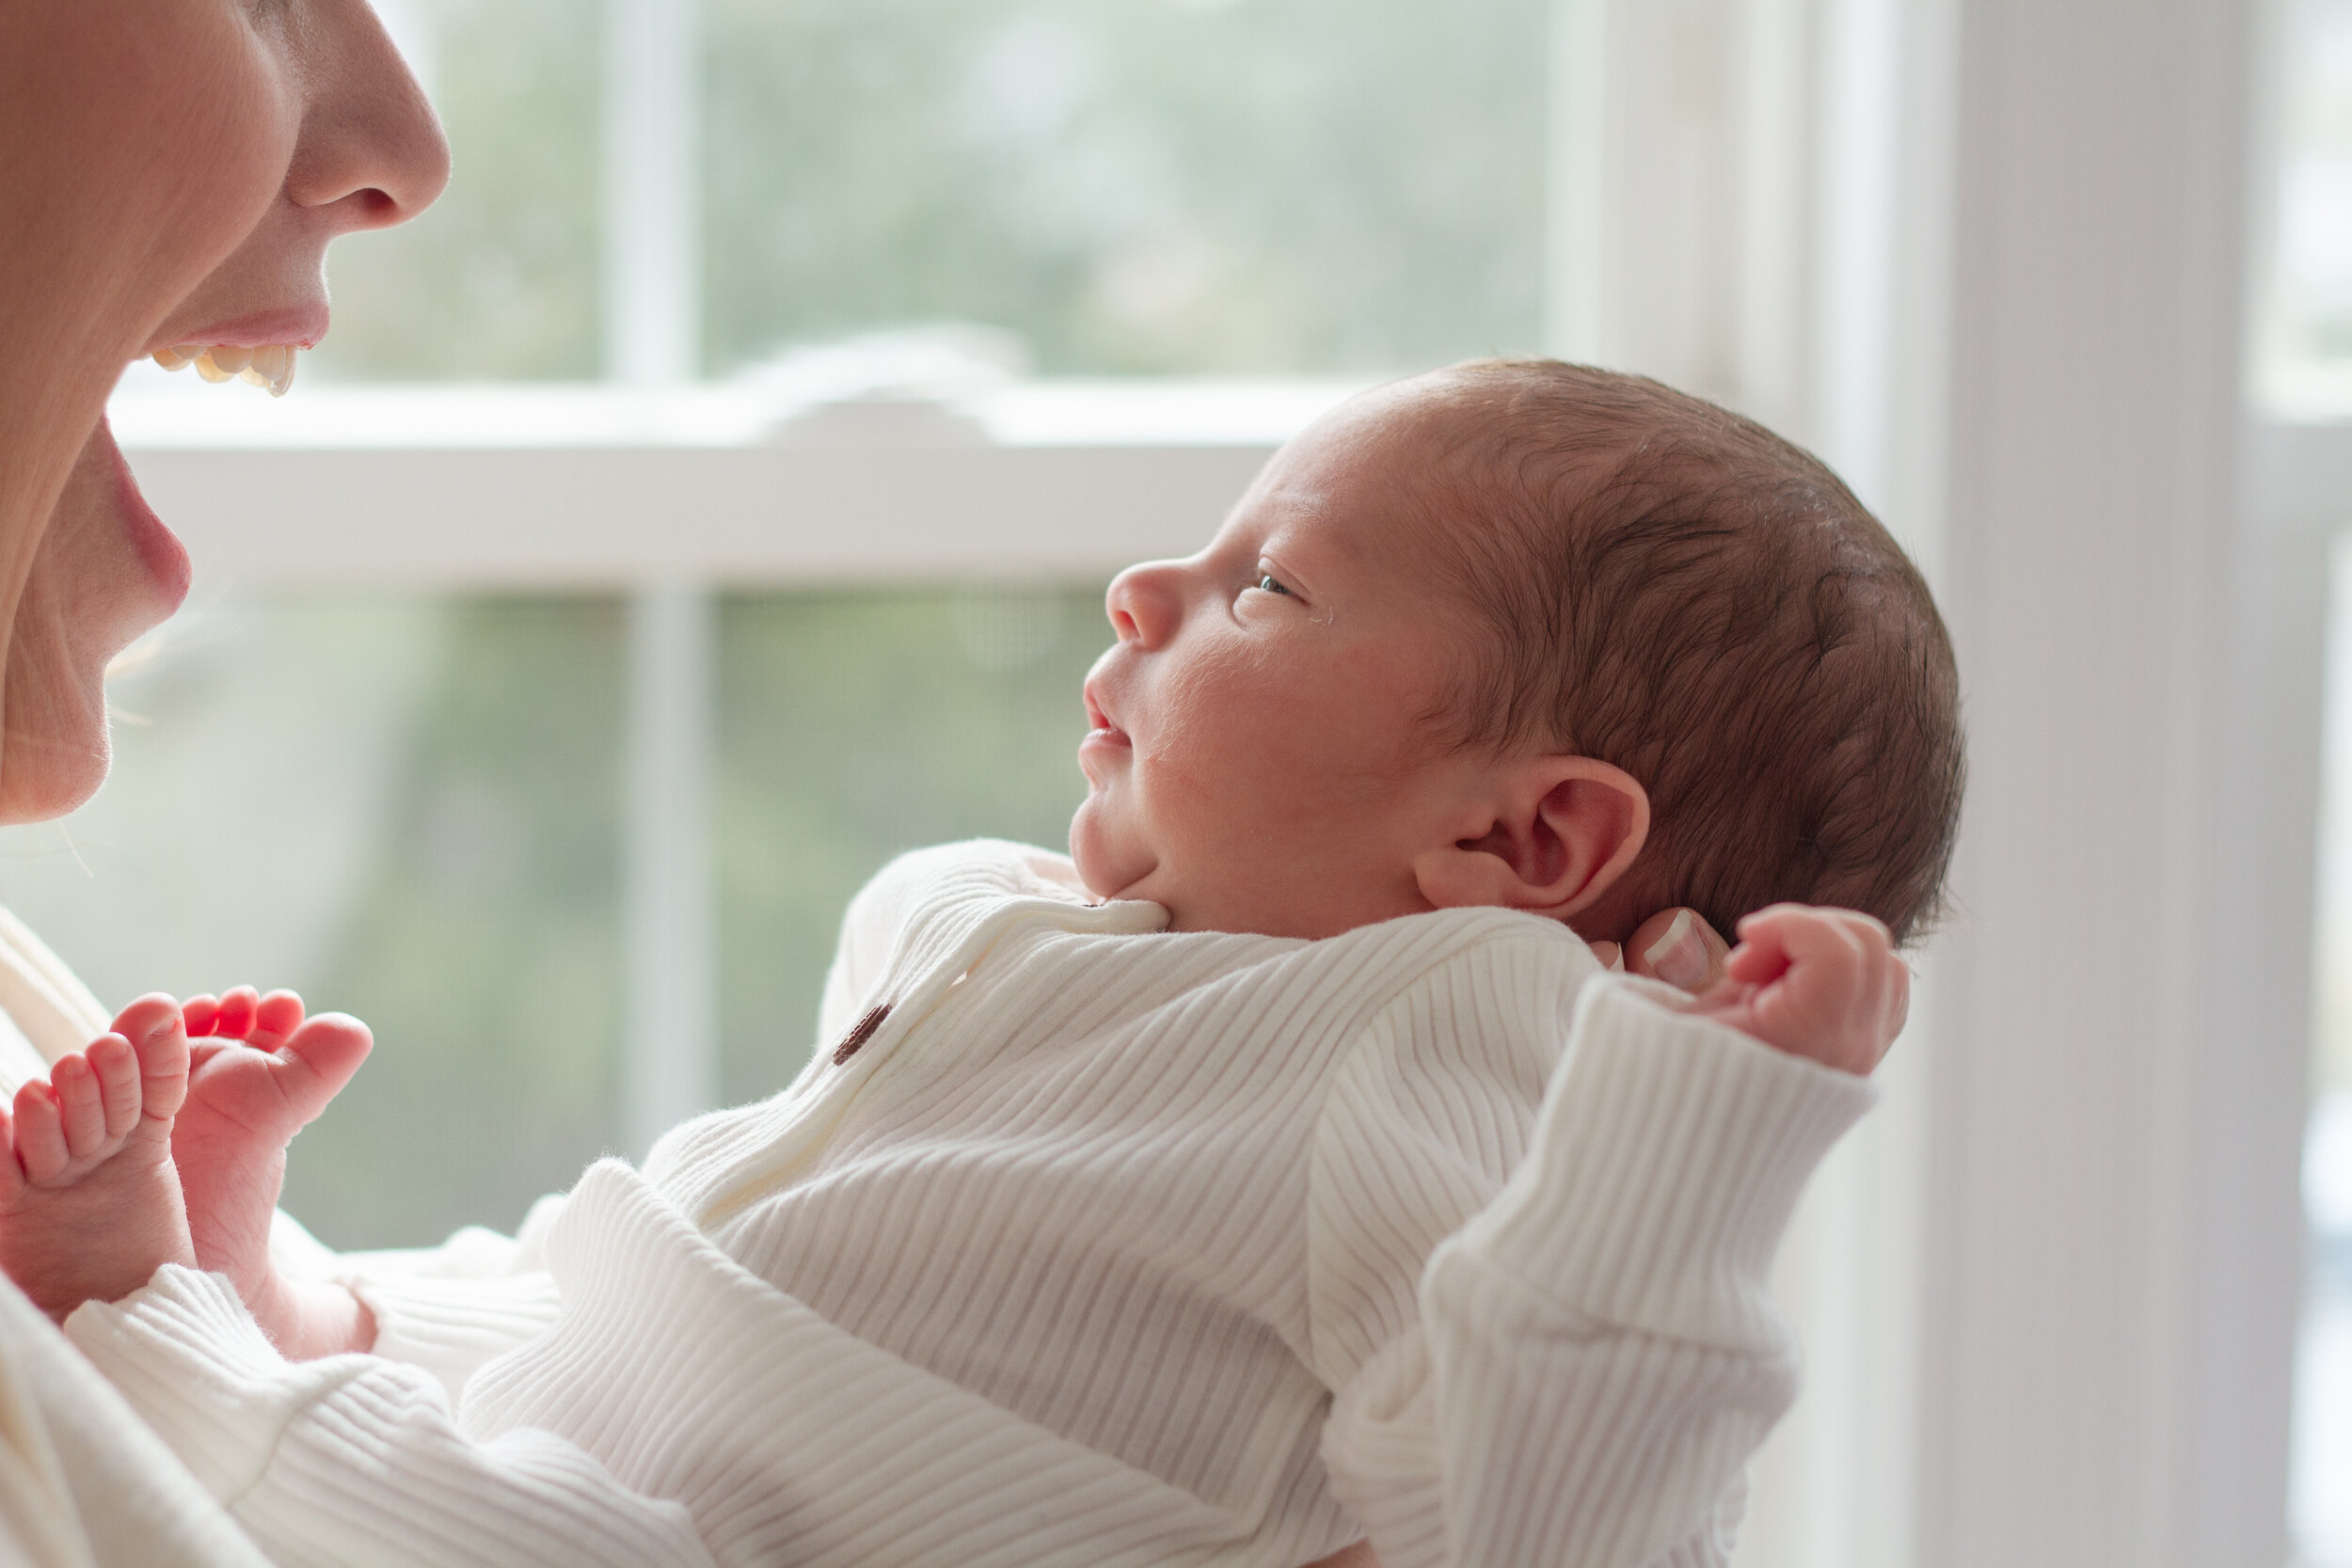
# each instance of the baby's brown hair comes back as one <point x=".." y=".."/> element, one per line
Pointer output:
<point x="1677" y="591"/>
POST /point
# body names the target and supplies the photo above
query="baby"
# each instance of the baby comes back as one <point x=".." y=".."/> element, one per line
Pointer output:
<point x="1281" y="1169"/>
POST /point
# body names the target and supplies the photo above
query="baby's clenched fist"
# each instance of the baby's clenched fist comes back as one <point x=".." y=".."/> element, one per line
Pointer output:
<point x="1818" y="983"/>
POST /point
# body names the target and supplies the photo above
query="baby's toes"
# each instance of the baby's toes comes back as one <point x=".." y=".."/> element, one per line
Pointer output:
<point x="117" y="1067"/>
<point x="81" y="1108"/>
<point x="201" y="1012"/>
<point x="238" y="1007"/>
<point x="40" y="1134"/>
<point x="319" y="1060"/>
<point x="152" y="1026"/>
<point x="276" y="1017"/>
<point x="12" y="1181"/>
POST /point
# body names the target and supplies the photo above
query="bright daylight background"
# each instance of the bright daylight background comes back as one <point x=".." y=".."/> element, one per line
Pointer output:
<point x="434" y="803"/>
<point x="2304" y="341"/>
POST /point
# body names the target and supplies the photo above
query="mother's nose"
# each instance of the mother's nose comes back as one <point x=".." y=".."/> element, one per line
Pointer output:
<point x="370" y="151"/>
<point x="1146" y="602"/>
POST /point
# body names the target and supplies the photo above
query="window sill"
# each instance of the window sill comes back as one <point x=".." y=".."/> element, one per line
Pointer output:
<point x="577" y="487"/>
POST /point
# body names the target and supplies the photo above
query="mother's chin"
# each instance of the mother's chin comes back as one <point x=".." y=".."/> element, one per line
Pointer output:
<point x="103" y="570"/>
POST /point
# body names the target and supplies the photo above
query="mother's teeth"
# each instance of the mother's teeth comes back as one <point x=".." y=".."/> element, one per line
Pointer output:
<point x="272" y="365"/>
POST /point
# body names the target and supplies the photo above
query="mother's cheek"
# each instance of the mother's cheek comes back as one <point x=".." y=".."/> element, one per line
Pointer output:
<point x="146" y="137"/>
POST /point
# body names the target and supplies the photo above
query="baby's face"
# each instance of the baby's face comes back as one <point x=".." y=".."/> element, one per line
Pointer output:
<point x="1260" y="756"/>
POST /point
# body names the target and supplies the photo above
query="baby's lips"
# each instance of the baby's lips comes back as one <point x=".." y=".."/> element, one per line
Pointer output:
<point x="1098" y="719"/>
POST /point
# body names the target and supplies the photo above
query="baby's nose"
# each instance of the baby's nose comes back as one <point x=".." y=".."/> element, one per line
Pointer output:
<point x="1146" y="602"/>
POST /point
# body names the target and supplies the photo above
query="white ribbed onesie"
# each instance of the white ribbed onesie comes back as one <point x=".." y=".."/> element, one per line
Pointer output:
<point x="1109" y="1245"/>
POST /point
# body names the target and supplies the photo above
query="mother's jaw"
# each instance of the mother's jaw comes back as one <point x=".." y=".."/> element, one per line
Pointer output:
<point x="104" y="571"/>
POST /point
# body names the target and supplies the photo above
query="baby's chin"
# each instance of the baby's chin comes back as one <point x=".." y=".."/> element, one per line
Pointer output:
<point x="1109" y="869"/>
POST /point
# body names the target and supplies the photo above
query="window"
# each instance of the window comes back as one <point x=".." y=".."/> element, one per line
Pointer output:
<point x="1015" y="237"/>
<point x="2304" y="326"/>
<point x="1140" y="187"/>
<point x="2303" y="377"/>
<point x="2321" y="1503"/>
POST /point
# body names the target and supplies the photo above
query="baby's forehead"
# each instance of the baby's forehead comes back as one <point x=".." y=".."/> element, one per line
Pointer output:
<point x="1467" y="443"/>
<point x="1450" y="467"/>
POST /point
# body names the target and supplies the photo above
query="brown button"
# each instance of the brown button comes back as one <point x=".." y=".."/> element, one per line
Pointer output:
<point x="859" y="1034"/>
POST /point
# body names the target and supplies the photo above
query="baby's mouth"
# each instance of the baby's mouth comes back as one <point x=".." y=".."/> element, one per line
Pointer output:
<point x="1098" y="725"/>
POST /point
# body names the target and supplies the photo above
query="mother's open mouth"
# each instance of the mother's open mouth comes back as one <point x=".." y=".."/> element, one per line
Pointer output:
<point x="166" y="557"/>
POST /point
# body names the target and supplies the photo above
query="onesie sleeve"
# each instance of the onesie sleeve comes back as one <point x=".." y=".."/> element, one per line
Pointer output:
<point x="1581" y="1369"/>
<point x="447" y="1308"/>
<point x="354" y="1460"/>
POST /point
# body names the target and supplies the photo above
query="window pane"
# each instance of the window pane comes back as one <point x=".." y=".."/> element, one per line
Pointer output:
<point x="1132" y="186"/>
<point x="403" y="808"/>
<point x="2308" y="347"/>
<point x="410" y="808"/>
<point x="2322" y="1500"/>
<point x="853" y="726"/>
<point x="498" y="279"/>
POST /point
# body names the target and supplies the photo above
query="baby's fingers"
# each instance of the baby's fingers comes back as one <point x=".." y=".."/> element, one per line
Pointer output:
<point x="1764" y="950"/>
<point x="1897" y="998"/>
<point x="1782" y="935"/>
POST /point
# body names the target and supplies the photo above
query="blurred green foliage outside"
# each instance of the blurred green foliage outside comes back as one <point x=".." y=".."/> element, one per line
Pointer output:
<point x="853" y="726"/>
<point x="1130" y="186"/>
<point x="411" y="809"/>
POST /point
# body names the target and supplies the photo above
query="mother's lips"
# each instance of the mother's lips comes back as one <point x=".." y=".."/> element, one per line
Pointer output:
<point x="299" y="325"/>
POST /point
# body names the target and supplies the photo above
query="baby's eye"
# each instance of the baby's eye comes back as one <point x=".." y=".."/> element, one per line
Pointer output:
<point x="1266" y="582"/>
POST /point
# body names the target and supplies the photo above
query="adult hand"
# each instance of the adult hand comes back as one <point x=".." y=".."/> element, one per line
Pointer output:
<point x="1674" y="946"/>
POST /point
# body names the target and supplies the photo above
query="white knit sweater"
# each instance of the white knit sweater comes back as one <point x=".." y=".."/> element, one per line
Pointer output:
<point x="1106" y="1247"/>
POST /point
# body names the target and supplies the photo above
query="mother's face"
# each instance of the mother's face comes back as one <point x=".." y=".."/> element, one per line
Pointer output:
<point x="171" y="172"/>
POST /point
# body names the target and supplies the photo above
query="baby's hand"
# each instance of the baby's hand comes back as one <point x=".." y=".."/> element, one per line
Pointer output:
<point x="1818" y="983"/>
<point x="89" y="1205"/>
<point x="262" y="1074"/>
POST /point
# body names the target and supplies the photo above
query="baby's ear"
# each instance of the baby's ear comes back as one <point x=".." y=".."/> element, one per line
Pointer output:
<point x="1550" y="835"/>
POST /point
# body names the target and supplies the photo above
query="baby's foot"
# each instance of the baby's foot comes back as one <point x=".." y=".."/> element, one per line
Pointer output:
<point x="90" y="1203"/>
<point x="267" y="1074"/>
